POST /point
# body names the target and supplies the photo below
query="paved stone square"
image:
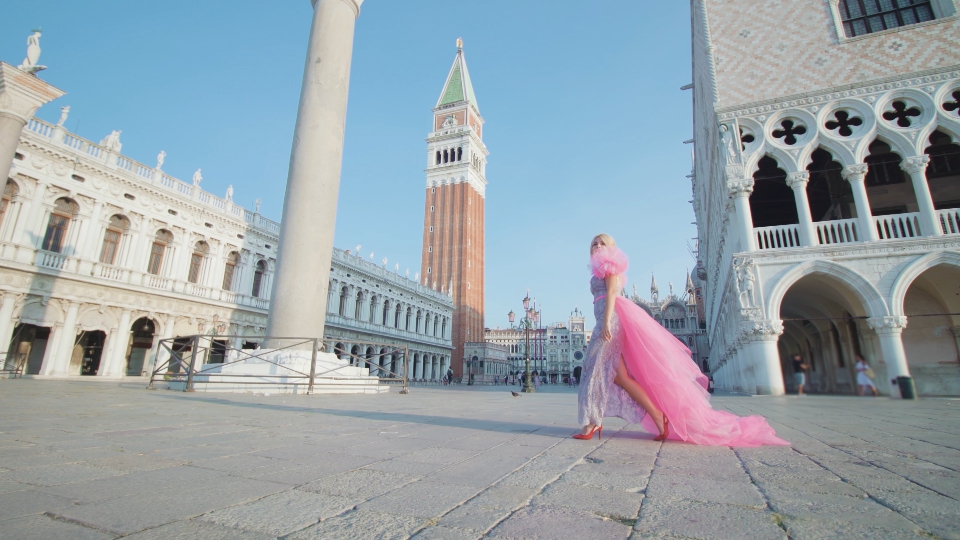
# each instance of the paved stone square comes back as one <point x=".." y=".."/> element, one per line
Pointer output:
<point x="98" y="460"/>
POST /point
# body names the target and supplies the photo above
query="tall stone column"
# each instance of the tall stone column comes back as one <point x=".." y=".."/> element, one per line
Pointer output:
<point x="856" y="174"/>
<point x="916" y="167"/>
<point x="798" y="182"/>
<point x="68" y="337"/>
<point x="7" y="304"/>
<point x="741" y="187"/>
<point x="113" y="367"/>
<point x="21" y="94"/>
<point x="313" y="181"/>
<point x="890" y="332"/>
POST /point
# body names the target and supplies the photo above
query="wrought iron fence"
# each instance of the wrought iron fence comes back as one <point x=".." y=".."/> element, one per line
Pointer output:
<point x="184" y="358"/>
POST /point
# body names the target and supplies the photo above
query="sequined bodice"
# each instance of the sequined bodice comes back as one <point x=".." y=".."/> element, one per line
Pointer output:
<point x="598" y="288"/>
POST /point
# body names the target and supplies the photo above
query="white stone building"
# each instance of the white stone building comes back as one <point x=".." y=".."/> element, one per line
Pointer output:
<point x="102" y="256"/>
<point x="681" y="315"/>
<point x="372" y="304"/>
<point x="556" y="351"/>
<point x="826" y="188"/>
<point x="486" y="363"/>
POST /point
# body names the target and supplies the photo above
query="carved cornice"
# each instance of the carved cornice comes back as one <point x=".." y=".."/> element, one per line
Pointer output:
<point x="768" y="330"/>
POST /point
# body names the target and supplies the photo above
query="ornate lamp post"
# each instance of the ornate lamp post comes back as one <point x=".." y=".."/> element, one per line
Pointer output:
<point x="530" y="319"/>
<point x="215" y="330"/>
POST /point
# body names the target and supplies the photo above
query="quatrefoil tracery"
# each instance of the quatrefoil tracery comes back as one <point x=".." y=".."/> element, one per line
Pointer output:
<point x="954" y="105"/>
<point x="901" y="113"/>
<point x="789" y="132"/>
<point x="844" y="121"/>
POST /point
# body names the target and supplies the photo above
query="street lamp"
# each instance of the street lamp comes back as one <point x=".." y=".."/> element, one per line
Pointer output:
<point x="217" y="328"/>
<point x="530" y="319"/>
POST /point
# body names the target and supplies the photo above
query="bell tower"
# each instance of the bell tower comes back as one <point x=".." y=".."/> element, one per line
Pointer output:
<point x="453" y="237"/>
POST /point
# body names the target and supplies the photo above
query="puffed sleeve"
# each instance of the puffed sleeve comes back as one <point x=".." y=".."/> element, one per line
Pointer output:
<point x="608" y="261"/>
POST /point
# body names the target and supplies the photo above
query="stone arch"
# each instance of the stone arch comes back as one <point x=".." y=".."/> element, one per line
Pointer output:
<point x="91" y="317"/>
<point x="868" y="295"/>
<point x="37" y="312"/>
<point x="905" y="278"/>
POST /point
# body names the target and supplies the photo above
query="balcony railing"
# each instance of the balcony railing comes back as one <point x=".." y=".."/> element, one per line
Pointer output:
<point x="777" y="237"/>
<point x="950" y="220"/>
<point x="842" y="231"/>
<point x="54" y="261"/>
<point x="898" y="226"/>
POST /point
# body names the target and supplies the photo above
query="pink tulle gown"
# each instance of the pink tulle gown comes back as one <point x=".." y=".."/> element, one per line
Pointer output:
<point x="663" y="367"/>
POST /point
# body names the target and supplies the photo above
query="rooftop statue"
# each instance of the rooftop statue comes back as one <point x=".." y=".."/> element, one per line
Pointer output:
<point x="197" y="178"/>
<point x="64" y="111"/>
<point x="29" y="63"/>
<point x="160" y="157"/>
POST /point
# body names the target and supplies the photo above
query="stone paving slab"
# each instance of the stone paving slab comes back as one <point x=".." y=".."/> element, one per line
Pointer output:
<point x="101" y="459"/>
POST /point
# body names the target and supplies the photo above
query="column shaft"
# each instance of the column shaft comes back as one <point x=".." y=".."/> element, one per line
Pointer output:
<point x="916" y="167"/>
<point x="798" y="182"/>
<point x="313" y="181"/>
<point x="9" y="301"/>
<point x="889" y="330"/>
<point x="855" y="174"/>
<point x="68" y="336"/>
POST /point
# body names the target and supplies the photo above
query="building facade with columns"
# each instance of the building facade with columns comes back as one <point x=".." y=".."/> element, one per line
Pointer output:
<point x="826" y="188"/>
<point x="372" y="304"/>
<point x="681" y="314"/>
<point x="102" y="256"/>
<point x="556" y="351"/>
<point x="485" y="363"/>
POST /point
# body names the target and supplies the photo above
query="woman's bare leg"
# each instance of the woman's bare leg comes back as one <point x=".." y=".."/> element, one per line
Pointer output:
<point x="635" y="391"/>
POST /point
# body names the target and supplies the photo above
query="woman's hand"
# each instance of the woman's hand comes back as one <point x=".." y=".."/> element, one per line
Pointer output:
<point x="605" y="334"/>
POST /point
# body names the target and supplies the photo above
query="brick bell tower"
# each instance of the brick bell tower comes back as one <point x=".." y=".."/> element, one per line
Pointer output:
<point x="453" y="248"/>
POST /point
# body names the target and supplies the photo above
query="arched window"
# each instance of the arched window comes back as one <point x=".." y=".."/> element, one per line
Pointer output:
<point x="396" y="318"/>
<point x="419" y="320"/>
<point x="373" y="308"/>
<point x="161" y="240"/>
<point x="63" y="212"/>
<point x="446" y="156"/>
<point x="9" y="192"/>
<point x="200" y="250"/>
<point x="438" y="157"/>
<point x="459" y="154"/>
<point x="258" y="278"/>
<point x="111" y="239"/>
<point x="342" y="311"/>
<point x="358" y="308"/>
<point x="229" y="270"/>
<point x="436" y="323"/>
<point x="386" y="311"/>
<point x="406" y="326"/>
<point x="444" y="328"/>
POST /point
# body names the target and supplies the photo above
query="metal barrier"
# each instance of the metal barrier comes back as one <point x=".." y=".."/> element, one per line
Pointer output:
<point x="13" y="365"/>
<point x="186" y="357"/>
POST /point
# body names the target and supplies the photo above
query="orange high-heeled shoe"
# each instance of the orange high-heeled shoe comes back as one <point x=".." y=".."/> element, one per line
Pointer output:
<point x="587" y="436"/>
<point x="666" y="430"/>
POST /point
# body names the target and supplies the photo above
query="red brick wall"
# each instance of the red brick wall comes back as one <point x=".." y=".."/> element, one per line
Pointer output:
<point x="457" y="255"/>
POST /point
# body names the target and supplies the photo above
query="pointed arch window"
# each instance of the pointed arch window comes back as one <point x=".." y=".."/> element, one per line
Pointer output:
<point x="258" y="274"/>
<point x="10" y="191"/>
<point x="230" y="270"/>
<point x="111" y="239"/>
<point x="200" y="251"/>
<point x="161" y="241"/>
<point x="63" y="212"/>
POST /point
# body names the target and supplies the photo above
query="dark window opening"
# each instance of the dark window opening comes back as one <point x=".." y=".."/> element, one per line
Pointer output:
<point x="883" y="166"/>
<point x="772" y="202"/>
<point x="830" y="196"/>
<point x="867" y="16"/>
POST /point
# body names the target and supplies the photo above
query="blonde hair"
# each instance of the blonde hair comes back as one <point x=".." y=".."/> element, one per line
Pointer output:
<point x="607" y="240"/>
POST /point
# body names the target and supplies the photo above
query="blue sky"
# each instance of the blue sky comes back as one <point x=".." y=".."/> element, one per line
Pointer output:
<point x="585" y="120"/>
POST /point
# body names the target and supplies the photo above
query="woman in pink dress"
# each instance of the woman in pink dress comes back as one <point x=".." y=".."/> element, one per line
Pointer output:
<point x="637" y="370"/>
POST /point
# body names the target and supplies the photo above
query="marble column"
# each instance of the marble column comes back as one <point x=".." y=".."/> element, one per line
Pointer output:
<point x="916" y="167"/>
<point x="21" y="94"/>
<point x="798" y="183"/>
<point x="31" y="234"/>
<point x="162" y="355"/>
<point x="48" y="364"/>
<point x="856" y="174"/>
<point x="7" y="304"/>
<point x="113" y="367"/>
<point x="764" y="357"/>
<point x="68" y="338"/>
<point x="313" y="181"/>
<point x="740" y="188"/>
<point x="890" y="332"/>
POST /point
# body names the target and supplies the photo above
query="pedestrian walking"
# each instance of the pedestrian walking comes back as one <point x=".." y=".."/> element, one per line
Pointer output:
<point x="865" y="376"/>
<point x="799" y="373"/>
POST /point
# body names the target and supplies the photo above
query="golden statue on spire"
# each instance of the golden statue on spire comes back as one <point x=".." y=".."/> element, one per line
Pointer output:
<point x="459" y="43"/>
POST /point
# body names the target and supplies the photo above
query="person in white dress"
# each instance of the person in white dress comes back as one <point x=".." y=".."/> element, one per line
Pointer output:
<point x="863" y="377"/>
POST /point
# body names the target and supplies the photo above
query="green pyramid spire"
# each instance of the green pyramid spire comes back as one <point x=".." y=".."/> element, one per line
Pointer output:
<point x="458" y="86"/>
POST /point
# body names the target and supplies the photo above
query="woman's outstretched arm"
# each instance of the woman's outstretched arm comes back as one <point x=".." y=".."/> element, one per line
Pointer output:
<point x="611" y="283"/>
